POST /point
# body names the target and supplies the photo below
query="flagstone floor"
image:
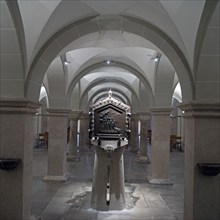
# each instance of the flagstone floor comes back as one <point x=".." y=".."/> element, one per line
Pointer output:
<point x="70" y="200"/>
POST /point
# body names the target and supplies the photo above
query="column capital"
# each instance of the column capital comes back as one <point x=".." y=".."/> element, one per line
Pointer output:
<point x="160" y="110"/>
<point x="58" y="112"/>
<point x="84" y="115"/>
<point x="18" y="106"/>
<point x="75" y="115"/>
<point x="143" y="116"/>
<point x="134" y="117"/>
<point x="201" y="109"/>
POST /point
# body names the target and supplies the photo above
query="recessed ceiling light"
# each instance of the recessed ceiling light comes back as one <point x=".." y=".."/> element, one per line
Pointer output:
<point x="108" y="61"/>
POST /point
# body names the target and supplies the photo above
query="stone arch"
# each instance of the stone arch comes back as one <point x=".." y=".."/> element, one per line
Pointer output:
<point x="207" y="52"/>
<point x="89" y="69"/>
<point x="16" y="17"/>
<point x="12" y="50"/>
<point x="152" y="33"/>
<point x="46" y="55"/>
<point x="207" y="14"/>
<point x="100" y="81"/>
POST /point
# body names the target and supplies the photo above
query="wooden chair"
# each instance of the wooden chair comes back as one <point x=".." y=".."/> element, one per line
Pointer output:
<point x="178" y="143"/>
<point x="172" y="142"/>
<point x="43" y="139"/>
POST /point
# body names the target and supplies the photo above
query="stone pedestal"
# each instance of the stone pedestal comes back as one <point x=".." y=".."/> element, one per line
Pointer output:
<point x="84" y="127"/>
<point x="58" y="121"/>
<point x="134" y="133"/>
<point x="202" y="145"/>
<point x="160" y="142"/>
<point x="16" y="141"/>
<point x="74" y="117"/>
<point x="108" y="168"/>
<point x="143" y="154"/>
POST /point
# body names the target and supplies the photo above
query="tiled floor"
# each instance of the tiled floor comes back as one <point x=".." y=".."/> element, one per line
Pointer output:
<point x="71" y="200"/>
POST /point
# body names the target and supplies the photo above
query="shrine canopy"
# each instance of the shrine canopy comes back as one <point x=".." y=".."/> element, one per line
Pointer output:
<point x="110" y="117"/>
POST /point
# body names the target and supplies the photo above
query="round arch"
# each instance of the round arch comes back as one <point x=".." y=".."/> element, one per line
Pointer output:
<point x="52" y="48"/>
<point x="109" y="79"/>
<point x="98" y="65"/>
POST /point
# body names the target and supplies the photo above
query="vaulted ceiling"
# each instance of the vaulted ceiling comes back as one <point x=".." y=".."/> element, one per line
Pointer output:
<point x="150" y="46"/>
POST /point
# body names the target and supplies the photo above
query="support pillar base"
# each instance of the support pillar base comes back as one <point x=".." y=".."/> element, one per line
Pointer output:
<point x="56" y="178"/>
<point x="159" y="181"/>
<point x="143" y="159"/>
<point x="72" y="158"/>
<point x="133" y="150"/>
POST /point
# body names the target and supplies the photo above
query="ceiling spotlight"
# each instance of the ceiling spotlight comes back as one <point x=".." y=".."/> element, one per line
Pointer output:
<point x="108" y="61"/>
<point x="66" y="62"/>
<point x="156" y="58"/>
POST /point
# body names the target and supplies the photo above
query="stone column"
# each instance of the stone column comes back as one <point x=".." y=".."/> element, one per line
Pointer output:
<point x="160" y="142"/>
<point x="84" y="126"/>
<point x="134" y="133"/>
<point x="72" y="156"/>
<point x="202" y="145"/>
<point x="16" y="141"/>
<point x="143" y="154"/>
<point x="58" y="123"/>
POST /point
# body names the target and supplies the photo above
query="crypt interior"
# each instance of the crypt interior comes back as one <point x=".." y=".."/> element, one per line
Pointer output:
<point x="110" y="110"/>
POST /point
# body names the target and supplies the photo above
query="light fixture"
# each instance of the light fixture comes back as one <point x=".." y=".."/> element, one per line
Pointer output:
<point x="108" y="61"/>
<point x="156" y="58"/>
<point x="66" y="62"/>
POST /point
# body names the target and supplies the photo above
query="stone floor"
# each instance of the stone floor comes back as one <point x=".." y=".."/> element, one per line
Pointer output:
<point x="71" y="200"/>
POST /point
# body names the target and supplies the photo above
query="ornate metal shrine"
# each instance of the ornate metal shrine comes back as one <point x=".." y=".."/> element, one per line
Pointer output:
<point x="109" y="133"/>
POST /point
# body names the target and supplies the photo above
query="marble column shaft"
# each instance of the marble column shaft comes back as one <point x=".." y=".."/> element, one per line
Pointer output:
<point x="58" y="122"/>
<point x="160" y="142"/>
<point x="17" y="139"/>
<point x="134" y="133"/>
<point x="202" y="145"/>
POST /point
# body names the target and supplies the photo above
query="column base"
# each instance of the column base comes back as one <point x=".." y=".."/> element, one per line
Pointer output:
<point x="56" y="178"/>
<point x="159" y="181"/>
<point x="133" y="150"/>
<point x="143" y="159"/>
<point x="72" y="158"/>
